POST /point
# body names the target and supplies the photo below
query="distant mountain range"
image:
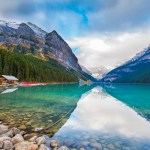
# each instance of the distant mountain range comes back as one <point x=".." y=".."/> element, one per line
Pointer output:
<point x="136" y="70"/>
<point x="86" y="70"/>
<point x="98" y="72"/>
<point x="29" y="39"/>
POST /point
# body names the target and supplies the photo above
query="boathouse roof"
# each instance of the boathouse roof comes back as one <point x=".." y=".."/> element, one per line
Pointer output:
<point x="9" y="77"/>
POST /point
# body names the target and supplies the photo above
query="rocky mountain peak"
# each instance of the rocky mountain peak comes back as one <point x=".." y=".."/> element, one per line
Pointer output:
<point x="55" y="40"/>
<point x="62" y="49"/>
<point x="29" y="38"/>
<point x="24" y="29"/>
<point x="54" y="32"/>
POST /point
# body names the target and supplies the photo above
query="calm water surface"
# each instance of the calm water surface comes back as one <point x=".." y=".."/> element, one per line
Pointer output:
<point x="92" y="117"/>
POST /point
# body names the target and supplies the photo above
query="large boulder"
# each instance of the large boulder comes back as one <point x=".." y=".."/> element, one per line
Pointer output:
<point x="3" y="129"/>
<point x="40" y="140"/>
<point x="32" y="147"/>
<point x="9" y="133"/>
<point x="17" y="139"/>
<point x="4" y="142"/>
<point x="3" y="138"/>
<point x="7" y="145"/>
<point x="26" y="146"/>
<point x="53" y="144"/>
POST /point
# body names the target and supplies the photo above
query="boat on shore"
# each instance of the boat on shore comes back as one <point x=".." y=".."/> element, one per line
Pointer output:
<point x="31" y="84"/>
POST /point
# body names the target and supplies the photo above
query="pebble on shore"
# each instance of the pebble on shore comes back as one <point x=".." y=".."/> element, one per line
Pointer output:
<point x="17" y="139"/>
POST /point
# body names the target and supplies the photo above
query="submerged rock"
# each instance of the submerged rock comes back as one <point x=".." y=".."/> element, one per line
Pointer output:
<point x="63" y="148"/>
<point x="85" y="143"/>
<point x="50" y="121"/>
<point x="111" y="146"/>
<point x="22" y="127"/>
<point x="97" y="145"/>
<point x="105" y="148"/>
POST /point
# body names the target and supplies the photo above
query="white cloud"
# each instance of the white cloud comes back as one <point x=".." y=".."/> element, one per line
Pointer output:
<point x="120" y="15"/>
<point x="111" y="20"/>
<point x="109" y="50"/>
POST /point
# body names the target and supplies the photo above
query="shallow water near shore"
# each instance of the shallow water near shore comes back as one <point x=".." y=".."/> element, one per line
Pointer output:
<point x="91" y="117"/>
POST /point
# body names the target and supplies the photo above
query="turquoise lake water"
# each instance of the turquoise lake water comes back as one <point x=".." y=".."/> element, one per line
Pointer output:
<point x="92" y="117"/>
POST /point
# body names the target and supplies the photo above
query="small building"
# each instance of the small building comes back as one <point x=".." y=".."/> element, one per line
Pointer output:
<point x="5" y="79"/>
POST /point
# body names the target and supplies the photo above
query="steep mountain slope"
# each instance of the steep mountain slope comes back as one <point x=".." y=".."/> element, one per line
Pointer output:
<point x="27" y="38"/>
<point x="63" y="52"/>
<point x="137" y="70"/>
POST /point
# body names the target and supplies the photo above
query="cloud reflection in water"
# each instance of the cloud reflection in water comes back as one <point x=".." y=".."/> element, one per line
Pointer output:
<point x="100" y="112"/>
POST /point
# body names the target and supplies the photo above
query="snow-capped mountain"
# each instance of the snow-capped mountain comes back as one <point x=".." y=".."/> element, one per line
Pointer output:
<point x="136" y="70"/>
<point x="39" y="32"/>
<point x="9" y="24"/>
<point x="27" y="38"/>
<point x="13" y="25"/>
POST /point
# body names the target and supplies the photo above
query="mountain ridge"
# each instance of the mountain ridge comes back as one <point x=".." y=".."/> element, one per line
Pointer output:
<point x="136" y="70"/>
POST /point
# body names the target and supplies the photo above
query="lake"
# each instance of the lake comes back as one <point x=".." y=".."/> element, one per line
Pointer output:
<point x="93" y="117"/>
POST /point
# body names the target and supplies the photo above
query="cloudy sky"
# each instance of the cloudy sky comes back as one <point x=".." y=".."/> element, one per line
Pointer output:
<point x="100" y="32"/>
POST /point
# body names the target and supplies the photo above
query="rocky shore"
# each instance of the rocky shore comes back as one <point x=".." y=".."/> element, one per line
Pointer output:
<point x="16" y="139"/>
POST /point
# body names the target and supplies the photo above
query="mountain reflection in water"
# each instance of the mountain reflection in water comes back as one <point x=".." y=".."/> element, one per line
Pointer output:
<point x="103" y="121"/>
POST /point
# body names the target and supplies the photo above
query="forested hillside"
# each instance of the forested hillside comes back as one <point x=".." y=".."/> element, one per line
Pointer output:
<point x="29" y="68"/>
